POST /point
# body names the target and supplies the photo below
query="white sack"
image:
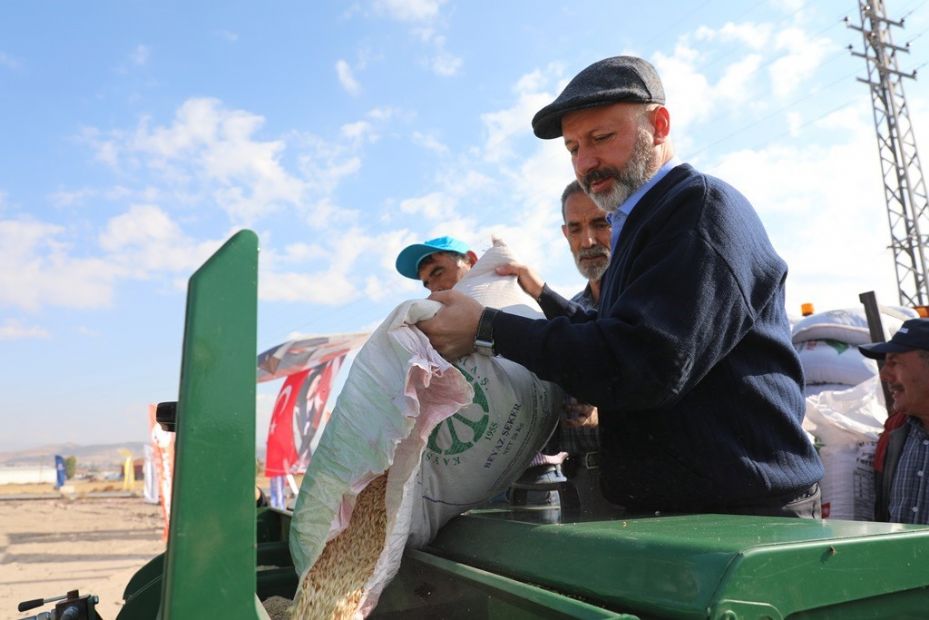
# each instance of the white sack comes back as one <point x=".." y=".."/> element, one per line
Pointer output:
<point x="848" y="482"/>
<point x="449" y="436"/>
<point x="849" y="416"/>
<point x="863" y="482"/>
<point x="833" y="361"/>
<point x="849" y="325"/>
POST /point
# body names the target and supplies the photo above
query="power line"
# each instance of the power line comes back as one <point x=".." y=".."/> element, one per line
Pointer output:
<point x="776" y="112"/>
<point x="664" y="31"/>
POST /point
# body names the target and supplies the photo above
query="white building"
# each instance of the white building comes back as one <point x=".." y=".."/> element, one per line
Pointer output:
<point x="29" y="474"/>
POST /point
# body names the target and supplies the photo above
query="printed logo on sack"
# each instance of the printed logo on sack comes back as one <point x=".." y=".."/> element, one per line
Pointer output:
<point x="464" y="429"/>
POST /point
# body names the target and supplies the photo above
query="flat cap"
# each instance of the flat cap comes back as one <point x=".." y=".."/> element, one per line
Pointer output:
<point x="611" y="80"/>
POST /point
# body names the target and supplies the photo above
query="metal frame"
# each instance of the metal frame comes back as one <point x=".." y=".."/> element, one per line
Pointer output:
<point x="904" y="187"/>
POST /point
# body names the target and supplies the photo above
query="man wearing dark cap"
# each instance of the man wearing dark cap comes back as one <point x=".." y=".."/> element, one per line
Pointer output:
<point x="689" y="358"/>
<point x="438" y="263"/>
<point x="901" y="460"/>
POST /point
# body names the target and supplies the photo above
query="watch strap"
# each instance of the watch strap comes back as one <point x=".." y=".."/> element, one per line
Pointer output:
<point x="484" y="338"/>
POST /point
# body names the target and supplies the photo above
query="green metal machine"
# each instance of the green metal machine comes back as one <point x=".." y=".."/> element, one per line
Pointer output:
<point x="224" y="555"/>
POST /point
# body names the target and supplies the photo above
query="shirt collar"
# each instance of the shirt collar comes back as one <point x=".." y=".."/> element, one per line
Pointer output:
<point x="629" y="204"/>
<point x="916" y="425"/>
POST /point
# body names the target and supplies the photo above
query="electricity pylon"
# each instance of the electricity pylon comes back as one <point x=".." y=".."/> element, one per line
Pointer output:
<point x="904" y="187"/>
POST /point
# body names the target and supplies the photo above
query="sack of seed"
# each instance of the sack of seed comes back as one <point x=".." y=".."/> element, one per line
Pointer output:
<point x="412" y="442"/>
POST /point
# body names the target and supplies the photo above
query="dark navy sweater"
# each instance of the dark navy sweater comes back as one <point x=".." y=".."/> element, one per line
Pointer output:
<point x="689" y="360"/>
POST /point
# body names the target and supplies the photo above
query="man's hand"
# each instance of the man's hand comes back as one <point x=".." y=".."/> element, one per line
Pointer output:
<point x="452" y="330"/>
<point x="580" y="415"/>
<point x="528" y="280"/>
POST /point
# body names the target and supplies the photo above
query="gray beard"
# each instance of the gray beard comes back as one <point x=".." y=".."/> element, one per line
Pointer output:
<point x="636" y="173"/>
<point x="593" y="271"/>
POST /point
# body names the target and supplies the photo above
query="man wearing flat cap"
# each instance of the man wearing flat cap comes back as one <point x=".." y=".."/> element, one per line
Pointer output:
<point x="689" y="358"/>
<point x="901" y="460"/>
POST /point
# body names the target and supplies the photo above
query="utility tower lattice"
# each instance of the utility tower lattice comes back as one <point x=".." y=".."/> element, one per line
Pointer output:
<point x="904" y="187"/>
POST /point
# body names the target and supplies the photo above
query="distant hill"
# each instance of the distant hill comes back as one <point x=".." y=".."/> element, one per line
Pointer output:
<point x="94" y="454"/>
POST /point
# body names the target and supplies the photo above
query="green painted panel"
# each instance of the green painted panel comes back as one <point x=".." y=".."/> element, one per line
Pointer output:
<point x="694" y="566"/>
<point x="428" y="586"/>
<point x="211" y="540"/>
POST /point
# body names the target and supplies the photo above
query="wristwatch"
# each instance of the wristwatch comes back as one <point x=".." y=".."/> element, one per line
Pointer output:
<point x="484" y="339"/>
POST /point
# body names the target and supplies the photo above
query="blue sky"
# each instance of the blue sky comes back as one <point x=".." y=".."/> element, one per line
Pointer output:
<point x="137" y="136"/>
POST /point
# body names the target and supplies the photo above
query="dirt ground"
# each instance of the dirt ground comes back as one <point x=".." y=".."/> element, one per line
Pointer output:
<point x="50" y="546"/>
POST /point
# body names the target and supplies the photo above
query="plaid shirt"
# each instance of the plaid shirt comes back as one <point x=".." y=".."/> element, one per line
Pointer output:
<point x="579" y="440"/>
<point x="909" y="495"/>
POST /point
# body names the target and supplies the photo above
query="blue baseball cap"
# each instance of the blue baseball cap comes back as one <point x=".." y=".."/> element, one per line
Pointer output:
<point x="912" y="335"/>
<point x="412" y="255"/>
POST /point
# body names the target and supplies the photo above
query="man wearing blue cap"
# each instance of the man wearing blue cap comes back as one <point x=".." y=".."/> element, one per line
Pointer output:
<point x="438" y="263"/>
<point x="688" y="359"/>
<point x="901" y="460"/>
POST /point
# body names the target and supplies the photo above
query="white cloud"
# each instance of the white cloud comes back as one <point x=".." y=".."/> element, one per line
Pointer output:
<point x="330" y="287"/>
<point x="146" y="241"/>
<point x="735" y="85"/>
<point x="824" y="211"/>
<point x="211" y="150"/>
<point x="503" y="126"/>
<point x="427" y="141"/>
<point x="38" y="270"/>
<point x="434" y="206"/>
<point x="445" y="64"/>
<point x="140" y="55"/>
<point x="302" y="252"/>
<point x="337" y="282"/>
<point x="324" y="171"/>
<point x="228" y="35"/>
<point x="382" y="114"/>
<point x="71" y="198"/>
<point x="9" y="62"/>
<point x="755" y="36"/>
<point x="690" y="96"/>
<point x="347" y="78"/>
<point x="794" y="123"/>
<point x="803" y="56"/>
<point x="359" y="131"/>
<point x="410" y="10"/>
<point x="12" y="329"/>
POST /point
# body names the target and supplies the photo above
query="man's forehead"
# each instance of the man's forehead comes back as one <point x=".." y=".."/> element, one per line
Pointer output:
<point x="589" y="119"/>
<point x="429" y="260"/>
<point x="901" y="354"/>
<point x="580" y="208"/>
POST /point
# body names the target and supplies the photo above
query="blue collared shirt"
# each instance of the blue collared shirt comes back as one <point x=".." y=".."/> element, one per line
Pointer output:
<point x="909" y="495"/>
<point x="618" y="217"/>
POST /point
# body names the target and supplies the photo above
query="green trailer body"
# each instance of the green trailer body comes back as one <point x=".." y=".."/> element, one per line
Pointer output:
<point x="224" y="555"/>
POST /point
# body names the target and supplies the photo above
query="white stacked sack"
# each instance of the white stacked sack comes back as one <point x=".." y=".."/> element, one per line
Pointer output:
<point x="845" y="408"/>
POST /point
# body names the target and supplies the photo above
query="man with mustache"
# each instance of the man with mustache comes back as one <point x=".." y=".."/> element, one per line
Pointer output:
<point x="588" y="234"/>
<point x="438" y="263"/>
<point x="688" y="359"/>
<point x="902" y="455"/>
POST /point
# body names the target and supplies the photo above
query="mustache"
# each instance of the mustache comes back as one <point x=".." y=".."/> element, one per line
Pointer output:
<point x="599" y="174"/>
<point x="597" y="251"/>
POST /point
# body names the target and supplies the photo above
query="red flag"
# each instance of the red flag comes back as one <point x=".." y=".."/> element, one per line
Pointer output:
<point x="311" y="414"/>
<point x="281" y="452"/>
<point x="309" y="365"/>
